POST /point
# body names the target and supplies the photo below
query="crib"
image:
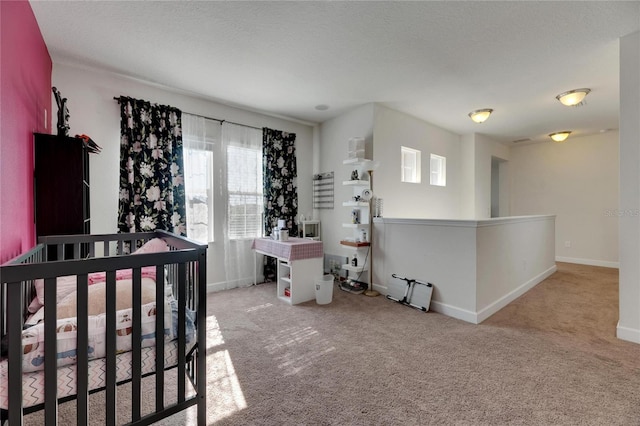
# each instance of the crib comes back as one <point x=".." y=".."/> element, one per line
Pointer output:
<point x="129" y="353"/>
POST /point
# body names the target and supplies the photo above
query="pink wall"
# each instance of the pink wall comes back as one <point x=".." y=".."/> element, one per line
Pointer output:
<point x="25" y="94"/>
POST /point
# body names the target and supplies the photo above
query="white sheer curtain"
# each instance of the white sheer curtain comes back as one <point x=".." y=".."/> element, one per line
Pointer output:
<point x="243" y="148"/>
<point x="201" y="139"/>
<point x="223" y="179"/>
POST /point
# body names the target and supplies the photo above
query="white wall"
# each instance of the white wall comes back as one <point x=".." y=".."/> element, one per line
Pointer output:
<point x="485" y="149"/>
<point x="513" y="255"/>
<point x="94" y="112"/>
<point x="578" y="182"/>
<point x="629" y="323"/>
<point x="467" y="176"/>
<point x="334" y="147"/>
<point x="393" y="129"/>
<point x="477" y="151"/>
<point x="437" y="251"/>
<point x="476" y="267"/>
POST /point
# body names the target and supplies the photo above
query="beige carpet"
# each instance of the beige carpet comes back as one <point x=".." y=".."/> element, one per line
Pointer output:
<point x="549" y="358"/>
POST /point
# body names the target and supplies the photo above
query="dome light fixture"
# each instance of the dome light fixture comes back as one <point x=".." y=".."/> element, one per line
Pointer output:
<point x="573" y="97"/>
<point x="560" y="136"/>
<point x="480" y="115"/>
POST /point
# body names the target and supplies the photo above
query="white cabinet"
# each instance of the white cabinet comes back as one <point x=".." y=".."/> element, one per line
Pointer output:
<point x="357" y="219"/>
<point x="296" y="279"/>
<point x="298" y="265"/>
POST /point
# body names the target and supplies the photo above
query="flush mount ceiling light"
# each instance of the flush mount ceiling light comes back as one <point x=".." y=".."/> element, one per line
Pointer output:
<point x="560" y="136"/>
<point x="322" y="107"/>
<point x="480" y="115"/>
<point x="573" y="97"/>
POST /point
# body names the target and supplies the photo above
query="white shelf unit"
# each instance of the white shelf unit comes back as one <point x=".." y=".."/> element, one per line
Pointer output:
<point x="298" y="276"/>
<point x="355" y="269"/>
<point x="356" y="228"/>
<point x="356" y="225"/>
<point x="284" y="279"/>
<point x="363" y="183"/>
<point x="311" y="229"/>
<point x="355" y="204"/>
<point x="353" y="161"/>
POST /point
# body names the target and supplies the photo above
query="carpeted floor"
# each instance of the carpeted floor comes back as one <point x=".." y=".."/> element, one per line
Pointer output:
<point x="549" y="358"/>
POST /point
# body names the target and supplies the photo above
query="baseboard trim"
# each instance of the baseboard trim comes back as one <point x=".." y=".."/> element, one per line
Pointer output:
<point x="478" y="317"/>
<point x="454" y="312"/>
<point x="590" y="262"/>
<point x="228" y="285"/>
<point x="382" y="289"/>
<point x="485" y="313"/>
<point x="628" y="334"/>
<point x="439" y="307"/>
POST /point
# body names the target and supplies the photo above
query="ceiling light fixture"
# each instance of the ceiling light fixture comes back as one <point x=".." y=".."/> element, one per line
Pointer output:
<point x="573" y="97"/>
<point x="560" y="136"/>
<point x="322" y="107"/>
<point x="480" y="115"/>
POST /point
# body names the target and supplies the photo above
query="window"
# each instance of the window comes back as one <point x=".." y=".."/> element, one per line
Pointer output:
<point x="438" y="170"/>
<point x="410" y="165"/>
<point x="223" y="178"/>
<point x="244" y="183"/>
<point x="199" y="139"/>
<point x="198" y="164"/>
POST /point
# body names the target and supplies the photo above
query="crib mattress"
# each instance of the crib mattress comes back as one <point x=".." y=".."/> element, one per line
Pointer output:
<point x="33" y="382"/>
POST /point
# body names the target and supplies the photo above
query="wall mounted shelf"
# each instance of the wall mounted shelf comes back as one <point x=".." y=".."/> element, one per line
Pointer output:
<point x="354" y="243"/>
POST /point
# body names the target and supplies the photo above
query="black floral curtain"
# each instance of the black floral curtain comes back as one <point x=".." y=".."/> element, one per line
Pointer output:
<point x="280" y="185"/>
<point x="151" y="168"/>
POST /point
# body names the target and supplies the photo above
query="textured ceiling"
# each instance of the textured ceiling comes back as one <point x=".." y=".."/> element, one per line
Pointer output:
<point x="434" y="60"/>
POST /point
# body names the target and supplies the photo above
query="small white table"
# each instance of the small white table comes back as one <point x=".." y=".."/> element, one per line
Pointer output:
<point x="299" y="263"/>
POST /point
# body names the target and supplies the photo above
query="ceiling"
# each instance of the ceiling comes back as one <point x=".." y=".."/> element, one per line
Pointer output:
<point x="434" y="60"/>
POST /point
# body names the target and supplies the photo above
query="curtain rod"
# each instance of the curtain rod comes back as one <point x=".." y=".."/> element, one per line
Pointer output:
<point x="210" y="118"/>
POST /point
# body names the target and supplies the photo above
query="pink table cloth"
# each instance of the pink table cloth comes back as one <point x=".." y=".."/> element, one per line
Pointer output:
<point x="292" y="249"/>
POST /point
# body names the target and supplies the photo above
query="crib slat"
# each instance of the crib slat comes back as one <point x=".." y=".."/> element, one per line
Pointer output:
<point x="50" y="353"/>
<point x="202" y="338"/>
<point x="136" y="346"/>
<point x="83" y="354"/>
<point x="14" y="319"/>
<point x="110" y="346"/>
<point x="3" y="307"/>
<point x="182" y="321"/>
<point x="159" y="337"/>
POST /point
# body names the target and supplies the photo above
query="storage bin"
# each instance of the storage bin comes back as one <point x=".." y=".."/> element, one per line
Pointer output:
<point x="324" y="289"/>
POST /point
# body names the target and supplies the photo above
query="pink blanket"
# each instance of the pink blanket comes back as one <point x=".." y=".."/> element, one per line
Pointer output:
<point x="123" y="274"/>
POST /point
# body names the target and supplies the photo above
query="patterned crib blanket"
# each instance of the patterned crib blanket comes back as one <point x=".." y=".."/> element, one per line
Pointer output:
<point x="66" y="335"/>
<point x="33" y="382"/>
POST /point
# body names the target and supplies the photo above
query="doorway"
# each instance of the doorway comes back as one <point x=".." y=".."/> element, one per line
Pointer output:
<point x="499" y="187"/>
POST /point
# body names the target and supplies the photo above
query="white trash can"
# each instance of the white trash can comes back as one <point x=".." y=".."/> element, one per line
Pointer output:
<point x="324" y="289"/>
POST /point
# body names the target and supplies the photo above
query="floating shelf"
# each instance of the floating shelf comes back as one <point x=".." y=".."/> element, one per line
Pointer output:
<point x="355" y="244"/>
<point x="355" y="204"/>
<point x="354" y="161"/>
<point x="355" y="225"/>
<point x="355" y="182"/>
<point x="354" y="268"/>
